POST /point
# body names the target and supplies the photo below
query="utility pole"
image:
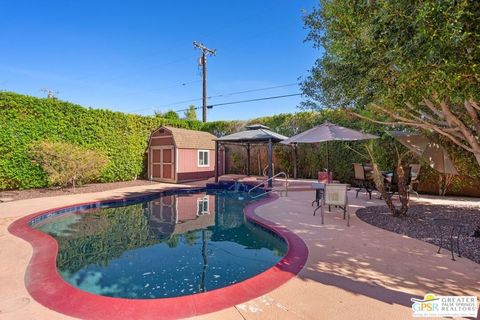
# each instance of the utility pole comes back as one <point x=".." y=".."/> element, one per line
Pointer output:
<point x="51" y="94"/>
<point x="203" y="62"/>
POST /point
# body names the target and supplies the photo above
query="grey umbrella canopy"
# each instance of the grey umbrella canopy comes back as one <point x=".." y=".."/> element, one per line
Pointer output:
<point x="328" y="132"/>
<point x="423" y="147"/>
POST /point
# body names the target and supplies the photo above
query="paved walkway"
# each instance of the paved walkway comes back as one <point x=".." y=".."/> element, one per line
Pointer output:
<point x="360" y="272"/>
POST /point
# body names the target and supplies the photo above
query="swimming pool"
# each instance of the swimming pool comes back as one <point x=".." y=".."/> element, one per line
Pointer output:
<point x="163" y="246"/>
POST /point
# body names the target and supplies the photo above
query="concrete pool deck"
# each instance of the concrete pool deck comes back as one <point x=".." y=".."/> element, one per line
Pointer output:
<point x="360" y="272"/>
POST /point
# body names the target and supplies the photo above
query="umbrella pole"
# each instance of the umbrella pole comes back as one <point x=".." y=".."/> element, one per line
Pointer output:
<point x="216" y="161"/>
<point x="328" y="169"/>
<point x="270" y="163"/>
<point x="248" y="159"/>
<point x="203" y="287"/>
<point x="295" y="161"/>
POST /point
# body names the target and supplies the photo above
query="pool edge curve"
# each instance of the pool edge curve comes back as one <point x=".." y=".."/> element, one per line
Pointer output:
<point x="46" y="286"/>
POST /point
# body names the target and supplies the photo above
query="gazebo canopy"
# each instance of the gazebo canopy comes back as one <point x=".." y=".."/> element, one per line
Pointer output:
<point x="255" y="133"/>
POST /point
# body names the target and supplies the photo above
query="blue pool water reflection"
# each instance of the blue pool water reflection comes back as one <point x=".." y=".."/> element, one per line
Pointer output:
<point x="173" y="245"/>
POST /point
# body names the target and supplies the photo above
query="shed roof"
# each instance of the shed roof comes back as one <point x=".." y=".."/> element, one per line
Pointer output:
<point x="191" y="139"/>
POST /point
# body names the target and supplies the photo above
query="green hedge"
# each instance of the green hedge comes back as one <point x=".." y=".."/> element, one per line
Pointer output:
<point x="123" y="138"/>
<point x="26" y="120"/>
<point x="311" y="158"/>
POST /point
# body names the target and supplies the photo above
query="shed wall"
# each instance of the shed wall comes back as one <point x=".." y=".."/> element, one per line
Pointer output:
<point x="187" y="206"/>
<point x="188" y="168"/>
<point x="188" y="161"/>
<point x="161" y="141"/>
<point x="161" y="138"/>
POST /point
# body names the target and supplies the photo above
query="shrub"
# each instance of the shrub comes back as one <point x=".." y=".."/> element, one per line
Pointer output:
<point x="123" y="138"/>
<point x="26" y="120"/>
<point x="68" y="164"/>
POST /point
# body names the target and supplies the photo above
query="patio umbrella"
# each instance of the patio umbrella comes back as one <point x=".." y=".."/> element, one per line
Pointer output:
<point x="423" y="147"/>
<point x="328" y="132"/>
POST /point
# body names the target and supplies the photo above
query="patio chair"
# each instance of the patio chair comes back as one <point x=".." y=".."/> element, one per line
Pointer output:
<point x="362" y="179"/>
<point x="415" y="172"/>
<point x="335" y="194"/>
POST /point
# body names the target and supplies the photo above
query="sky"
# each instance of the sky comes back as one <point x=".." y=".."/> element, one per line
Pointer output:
<point x="138" y="56"/>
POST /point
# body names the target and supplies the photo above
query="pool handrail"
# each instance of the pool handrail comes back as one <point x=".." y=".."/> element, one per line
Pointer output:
<point x="265" y="181"/>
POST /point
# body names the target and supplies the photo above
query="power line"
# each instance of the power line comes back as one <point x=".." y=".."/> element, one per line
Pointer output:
<point x="156" y="90"/>
<point x="258" y="99"/>
<point x="243" y="101"/>
<point x="253" y="90"/>
<point x="176" y="103"/>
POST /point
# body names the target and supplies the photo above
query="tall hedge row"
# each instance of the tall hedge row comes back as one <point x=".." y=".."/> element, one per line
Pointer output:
<point x="312" y="158"/>
<point x="26" y="120"/>
<point x="123" y="138"/>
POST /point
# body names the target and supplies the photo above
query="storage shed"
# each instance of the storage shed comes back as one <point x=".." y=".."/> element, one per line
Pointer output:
<point x="180" y="155"/>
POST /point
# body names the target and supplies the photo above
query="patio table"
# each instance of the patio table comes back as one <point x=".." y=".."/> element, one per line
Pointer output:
<point x="451" y="228"/>
<point x="369" y="171"/>
<point x="387" y="175"/>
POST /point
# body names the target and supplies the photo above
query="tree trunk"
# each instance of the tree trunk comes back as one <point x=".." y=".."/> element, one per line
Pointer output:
<point x="444" y="183"/>
<point x="477" y="157"/>
<point x="402" y="190"/>
<point x="378" y="179"/>
<point x="387" y="196"/>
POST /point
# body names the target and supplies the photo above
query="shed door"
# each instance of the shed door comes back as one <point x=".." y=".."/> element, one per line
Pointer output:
<point x="163" y="216"/>
<point x="163" y="163"/>
<point x="167" y="163"/>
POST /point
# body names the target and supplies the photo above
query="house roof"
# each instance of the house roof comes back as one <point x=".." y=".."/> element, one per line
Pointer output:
<point x="191" y="139"/>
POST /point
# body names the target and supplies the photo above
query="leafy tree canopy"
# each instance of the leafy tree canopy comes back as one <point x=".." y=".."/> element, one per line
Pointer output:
<point x="393" y="52"/>
<point x="191" y="113"/>
<point x="170" y="114"/>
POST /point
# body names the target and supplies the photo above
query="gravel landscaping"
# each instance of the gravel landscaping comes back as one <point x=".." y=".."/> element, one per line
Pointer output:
<point x="419" y="224"/>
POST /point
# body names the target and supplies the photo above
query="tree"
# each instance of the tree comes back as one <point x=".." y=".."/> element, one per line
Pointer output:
<point x="401" y="169"/>
<point x="191" y="113"/>
<point x="407" y="63"/>
<point x="68" y="164"/>
<point x="170" y="114"/>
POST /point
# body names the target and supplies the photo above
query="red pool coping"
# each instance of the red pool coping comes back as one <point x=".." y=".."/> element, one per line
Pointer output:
<point x="46" y="286"/>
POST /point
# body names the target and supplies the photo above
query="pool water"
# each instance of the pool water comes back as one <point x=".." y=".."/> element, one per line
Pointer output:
<point x="172" y="245"/>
